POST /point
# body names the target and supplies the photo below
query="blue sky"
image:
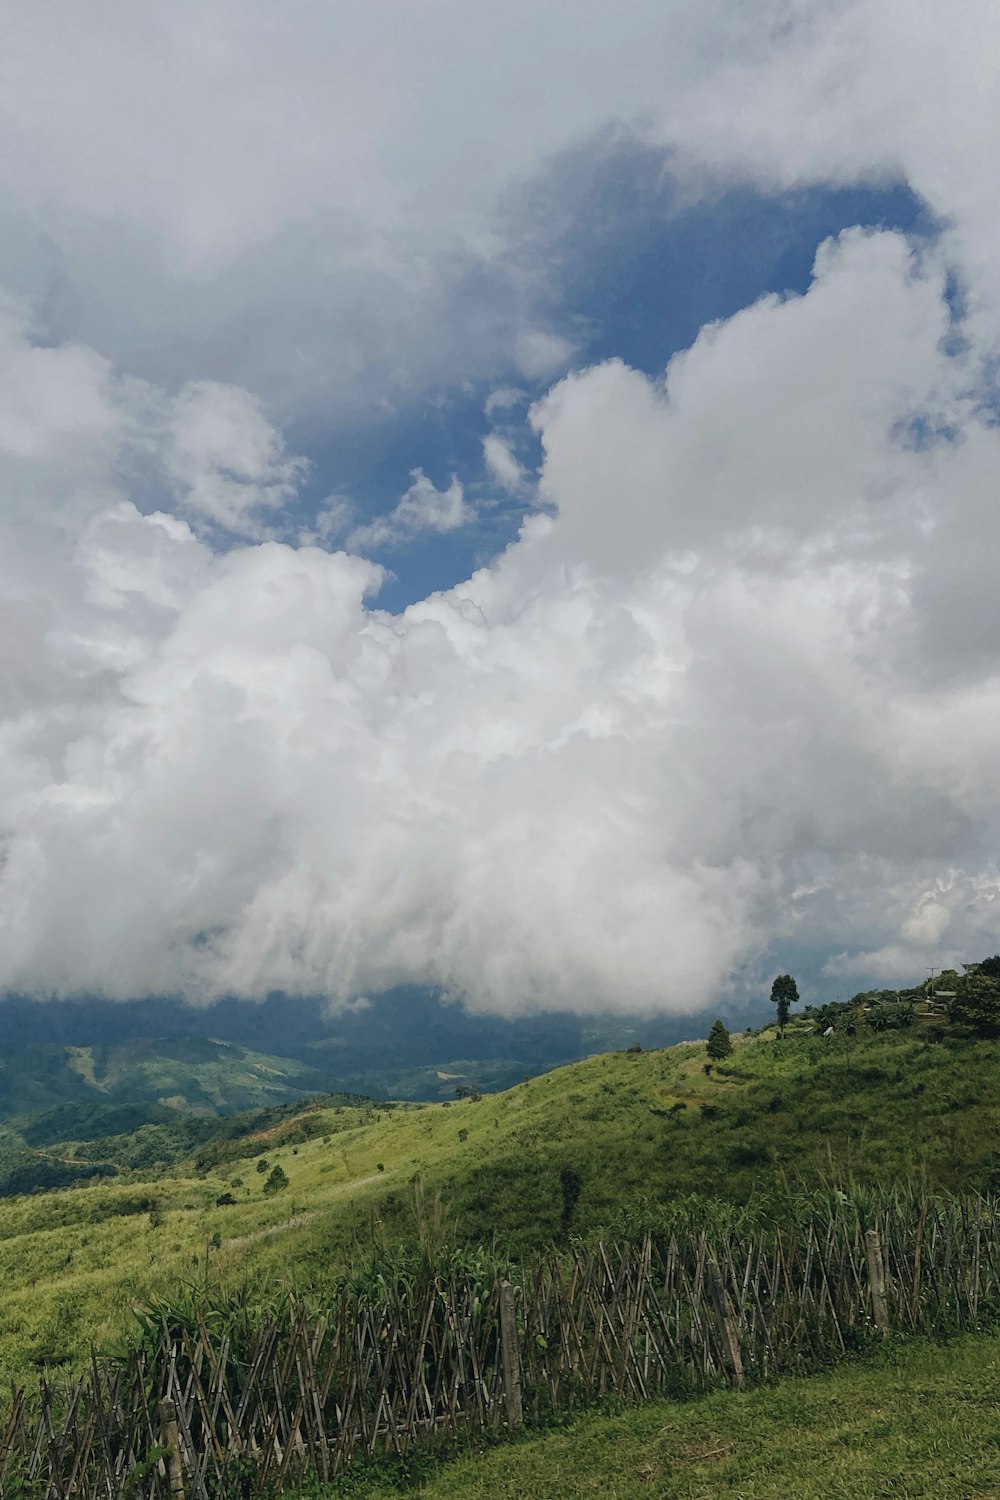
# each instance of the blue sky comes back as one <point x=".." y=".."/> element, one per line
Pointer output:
<point x="631" y="272"/>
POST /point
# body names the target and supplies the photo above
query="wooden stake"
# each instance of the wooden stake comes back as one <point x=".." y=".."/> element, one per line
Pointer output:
<point x="172" y="1443"/>
<point x="876" y="1279"/>
<point x="724" y="1313"/>
<point x="511" y="1358"/>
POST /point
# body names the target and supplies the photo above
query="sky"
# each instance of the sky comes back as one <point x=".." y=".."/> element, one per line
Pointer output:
<point x="500" y="499"/>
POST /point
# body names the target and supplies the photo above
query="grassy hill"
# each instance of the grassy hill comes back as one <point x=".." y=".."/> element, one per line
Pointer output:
<point x="611" y="1146"/>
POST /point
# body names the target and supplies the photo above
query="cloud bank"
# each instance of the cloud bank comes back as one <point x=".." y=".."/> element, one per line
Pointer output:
<point x="321" y="205"/>
<point x="735" y="685"/>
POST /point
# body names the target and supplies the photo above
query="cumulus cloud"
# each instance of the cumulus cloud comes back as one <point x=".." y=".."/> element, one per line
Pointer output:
<point x="422" y="509"/>
<point x="736" y="683"/>
<point x="225" y="459"/>
<point x="322" y="210"/>
<point x="502" y="463"/>
<point x="687" y="714"/>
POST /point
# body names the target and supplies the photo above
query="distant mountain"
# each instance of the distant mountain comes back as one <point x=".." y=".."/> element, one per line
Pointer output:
<point x="85" y="1091"/>
<point x="396" y="1046"/>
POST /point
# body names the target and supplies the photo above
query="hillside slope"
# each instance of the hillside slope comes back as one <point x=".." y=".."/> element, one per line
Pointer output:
<point x="612" y="1145"/>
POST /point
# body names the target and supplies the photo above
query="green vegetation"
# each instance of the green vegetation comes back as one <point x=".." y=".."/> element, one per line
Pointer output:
<point x="408" y="1043"/>
<point x="719" y="1044"/>
<point x="918" y="1420"/>
<point x="276" y="1182"/>
<point x="977" y="1001"/>
<point x="81" y="1093"/>
<point x="37" y="1159"/>
<point x="784" y="994"/>
<point x="611" y="1146"/>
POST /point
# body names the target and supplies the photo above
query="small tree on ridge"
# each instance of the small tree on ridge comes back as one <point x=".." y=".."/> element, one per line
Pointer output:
<point x="719" y="1044"/>
<point x="784" y="994"/>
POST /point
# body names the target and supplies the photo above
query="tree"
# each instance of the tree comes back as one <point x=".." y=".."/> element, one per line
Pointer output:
<point x="719" y="1044"/>
<point x="784" y="994"/>
<point x="977" y="1003"/>
<point x="276" y="1183"/>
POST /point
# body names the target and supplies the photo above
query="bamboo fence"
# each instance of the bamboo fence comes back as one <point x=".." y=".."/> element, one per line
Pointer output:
<point x="204" y="1420"/>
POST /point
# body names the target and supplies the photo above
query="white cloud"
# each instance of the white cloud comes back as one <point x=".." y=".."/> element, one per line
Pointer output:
<point x="538" y="354"/>
<point x="504" y="399"/>
<point x="302" y="208"/>
<point x="738" y="686"/>
<point x="422" y="509"/>
<point x="502" y="463"/>
<point x="225" y="459"/>
<point x="685" y="716"/>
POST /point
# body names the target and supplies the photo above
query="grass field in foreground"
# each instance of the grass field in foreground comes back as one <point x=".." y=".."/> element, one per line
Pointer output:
<point x="919" y="1421"/>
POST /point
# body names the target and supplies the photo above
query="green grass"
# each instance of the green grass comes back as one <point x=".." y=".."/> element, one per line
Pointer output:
<point x="919" y="1421"/>
<point x="643" y="1130"/>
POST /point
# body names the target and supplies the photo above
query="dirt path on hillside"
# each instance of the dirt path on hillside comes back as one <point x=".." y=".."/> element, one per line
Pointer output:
<point x="273" y="1130"/>
<point x="73" y="1161"/>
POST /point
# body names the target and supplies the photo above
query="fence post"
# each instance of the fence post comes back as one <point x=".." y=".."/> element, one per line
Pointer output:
<point x="511" y="1356"/>
<point x="876" y="1279"/>
<point x="172" y="1443"/>
<point x="724" y="1313"/>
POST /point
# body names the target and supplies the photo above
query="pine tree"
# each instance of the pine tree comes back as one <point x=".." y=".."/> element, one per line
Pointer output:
<point x="784" y="994"/>
<point x="719" y="1043"/>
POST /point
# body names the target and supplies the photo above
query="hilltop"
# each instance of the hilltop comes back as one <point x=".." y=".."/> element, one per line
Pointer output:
<point x="612" y="1145"/>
